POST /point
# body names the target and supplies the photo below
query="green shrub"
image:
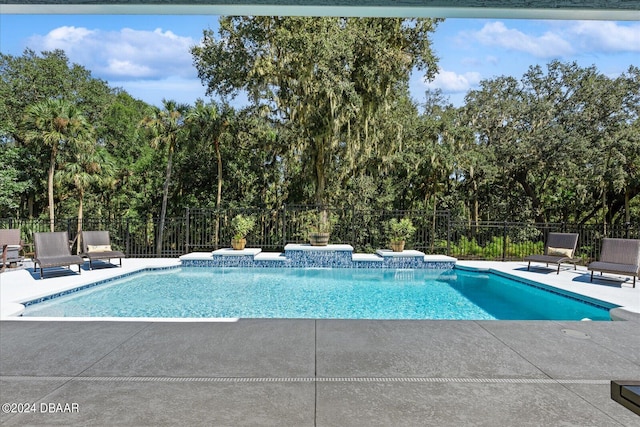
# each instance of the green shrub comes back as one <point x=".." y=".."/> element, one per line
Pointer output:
<point x="242" y="225"/>
<point x="400" y="230"/>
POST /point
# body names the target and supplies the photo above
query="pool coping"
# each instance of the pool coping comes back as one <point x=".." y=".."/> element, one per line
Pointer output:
<point x="11" y="308"/>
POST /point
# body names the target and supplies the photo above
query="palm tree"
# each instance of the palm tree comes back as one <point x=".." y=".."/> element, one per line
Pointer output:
<point x="88" y="165"/>
<point x="167" y="126"/>
<point x="58" y="125"/>
<point x="211" y="122"/>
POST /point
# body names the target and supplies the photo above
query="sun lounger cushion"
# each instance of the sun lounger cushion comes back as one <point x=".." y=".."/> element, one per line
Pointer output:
<point x="563" y="252"/>
<point x="98" y="248"/>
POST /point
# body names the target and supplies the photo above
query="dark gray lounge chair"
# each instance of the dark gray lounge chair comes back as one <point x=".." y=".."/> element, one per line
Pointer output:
<point x="11" y="244"/>
<point x="618" y="256"/>
<point x="97" y="245"/>
<point x="560" y="248"/>
<point x="52" y="250"/>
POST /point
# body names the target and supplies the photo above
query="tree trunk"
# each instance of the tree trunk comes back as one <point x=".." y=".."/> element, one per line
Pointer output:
<point x="80" y="215"/>
<point x="52" y="169"/>
<point x="533" y="196"/>
<point x="476" y="204"/>
<point x="433" y="223"/>
<point x="627" y="214"/>
<point x="219" y="195"/>
<point x="219" y="157"/>
<point x="319" y="170"/>
<point x="165" y="196"/>
<point x="30" y="202"/>
<point x="604" y="211"/>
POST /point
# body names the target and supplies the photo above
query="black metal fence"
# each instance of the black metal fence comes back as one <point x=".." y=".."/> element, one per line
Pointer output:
<point x="365" y="230"/>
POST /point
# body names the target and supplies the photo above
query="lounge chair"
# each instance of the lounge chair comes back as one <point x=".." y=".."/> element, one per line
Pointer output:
<point x="11" y="244"/>
<point x="97" y="245"/>
<point x="618" y="256"/>
<point x="52" y="250"/>
<point x="560" y="248"/>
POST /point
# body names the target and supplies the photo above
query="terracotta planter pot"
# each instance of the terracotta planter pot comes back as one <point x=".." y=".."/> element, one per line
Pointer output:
<point x="397" y="246"/>
<point x="238" y="244"/>
<point x="319" y="239"/>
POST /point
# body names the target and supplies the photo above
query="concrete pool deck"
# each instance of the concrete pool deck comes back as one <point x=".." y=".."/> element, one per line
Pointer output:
<point x="316" y="372"/>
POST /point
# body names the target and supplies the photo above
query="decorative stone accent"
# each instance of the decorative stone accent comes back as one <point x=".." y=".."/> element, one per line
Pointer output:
<point x="307" y="256"/>
<point x="333" y="256"/>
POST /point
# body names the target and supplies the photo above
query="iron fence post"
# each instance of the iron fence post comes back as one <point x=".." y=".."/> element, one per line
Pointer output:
<point x="127" y="239"/>
<point x="448" y="233"/>
<point x="353" y="226"/>
<point x="186" y="227"/>
<point x="284" y="225"/>
<point x="504" y="241"/>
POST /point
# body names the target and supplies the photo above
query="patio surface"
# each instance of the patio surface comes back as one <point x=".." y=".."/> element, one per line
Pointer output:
<point x="316" y="372"/>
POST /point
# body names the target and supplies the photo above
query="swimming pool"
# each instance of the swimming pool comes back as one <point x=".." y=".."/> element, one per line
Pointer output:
<point x="192" y="292"/>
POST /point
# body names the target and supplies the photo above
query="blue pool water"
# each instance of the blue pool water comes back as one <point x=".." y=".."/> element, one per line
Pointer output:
<point x="192" y="292"/>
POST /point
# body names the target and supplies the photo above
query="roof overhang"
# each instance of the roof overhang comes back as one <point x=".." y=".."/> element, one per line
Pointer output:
<point x="620" y="10"/>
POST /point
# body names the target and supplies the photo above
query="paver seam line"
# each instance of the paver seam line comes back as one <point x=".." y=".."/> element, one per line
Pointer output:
<point x="514" y="350"/>
<point x="579" y="396"/>
<point x="68" y="379"/>
<point x="564" y="385"/>
<point x="115" y="347"/>
<point x="431" y="380"/>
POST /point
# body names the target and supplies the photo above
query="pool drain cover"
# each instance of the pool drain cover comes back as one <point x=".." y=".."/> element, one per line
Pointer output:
<point x="575" y="334"/>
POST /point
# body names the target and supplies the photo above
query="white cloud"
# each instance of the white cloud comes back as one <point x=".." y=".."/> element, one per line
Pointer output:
<point x="125" y="68"/>
<point x="67" y="35"/>
<point x="606" y="36"/>
<point x="122" y="54"/>
<point x="548" y="45"/>
<point x="451" y="82"/>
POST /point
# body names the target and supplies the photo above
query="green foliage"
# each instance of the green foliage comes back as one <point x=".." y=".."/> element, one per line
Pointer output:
<point x="321" y="75"/>
<point x="400" y="230"/>
<point x="242" y="225"/>
<point x="13" y="182"/>
<point x="466" y="248"/>
<point x="315" y="221"/>
<point x="558" y="143"/>
<point x="331" y="120"/>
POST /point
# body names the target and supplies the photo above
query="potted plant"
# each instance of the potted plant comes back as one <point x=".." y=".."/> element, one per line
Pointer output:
<point x="241" y="225"/>
<point x="400" y="232"/>
<point x="318" y="225"/>
<point x="319" y="236"/>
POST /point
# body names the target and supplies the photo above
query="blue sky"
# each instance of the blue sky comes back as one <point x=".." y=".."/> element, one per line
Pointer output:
<point x="148" y="55"/>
